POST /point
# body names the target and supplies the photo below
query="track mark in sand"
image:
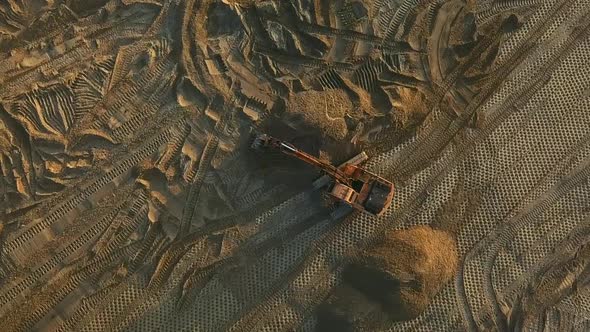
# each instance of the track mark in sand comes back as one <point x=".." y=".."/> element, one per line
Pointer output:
<point x="18" y="245"/>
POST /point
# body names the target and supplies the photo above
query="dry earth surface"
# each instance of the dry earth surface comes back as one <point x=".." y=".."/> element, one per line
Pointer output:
<point x="131" y="201"/>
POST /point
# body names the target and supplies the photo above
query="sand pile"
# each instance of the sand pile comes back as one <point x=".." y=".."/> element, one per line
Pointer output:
<point x="243" y="3"/>
<point x="394" y="280"/>
<point x="323" y="109"/>
<point x="411" y="106"/>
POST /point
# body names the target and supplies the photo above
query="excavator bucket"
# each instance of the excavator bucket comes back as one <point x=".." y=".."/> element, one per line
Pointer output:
<point x="260" y="142"/>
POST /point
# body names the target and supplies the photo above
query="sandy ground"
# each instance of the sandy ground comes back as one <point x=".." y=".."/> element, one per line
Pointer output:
<point x="130" y="199"/>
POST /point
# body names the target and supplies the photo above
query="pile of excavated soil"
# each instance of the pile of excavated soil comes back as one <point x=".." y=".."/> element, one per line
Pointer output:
<point x="394" y="280"/>
<point x="418" y="260"/>
<point x="323" y="109"/>
<point x="411" y="107"/>
<point x="244" y="3"/>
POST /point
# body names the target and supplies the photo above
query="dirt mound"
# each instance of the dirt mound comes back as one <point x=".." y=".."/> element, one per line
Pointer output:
<point x="416" y="261"/>
<point x="323" y="109"/>
<point x="394" y="280"/>
<point x="411" y="106"/>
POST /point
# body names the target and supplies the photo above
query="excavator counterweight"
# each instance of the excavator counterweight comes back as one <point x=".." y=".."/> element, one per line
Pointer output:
<point x="352" y="185"/>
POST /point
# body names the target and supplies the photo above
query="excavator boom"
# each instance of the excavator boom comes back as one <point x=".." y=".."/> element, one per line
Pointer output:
<point x="265" y="141"/>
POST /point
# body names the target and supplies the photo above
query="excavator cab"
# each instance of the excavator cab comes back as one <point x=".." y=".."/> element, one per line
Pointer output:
<point x="352" y="184"/>
<point x="373" y="194"/>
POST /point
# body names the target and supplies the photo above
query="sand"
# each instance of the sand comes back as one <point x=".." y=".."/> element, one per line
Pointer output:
<point x="126" y="171"/>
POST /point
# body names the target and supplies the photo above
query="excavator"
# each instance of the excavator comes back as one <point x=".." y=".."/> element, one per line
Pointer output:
<point x="352" y="185"/>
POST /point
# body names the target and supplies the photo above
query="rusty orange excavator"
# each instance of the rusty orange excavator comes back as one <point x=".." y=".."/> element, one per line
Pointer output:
<point x="352" y="185"/>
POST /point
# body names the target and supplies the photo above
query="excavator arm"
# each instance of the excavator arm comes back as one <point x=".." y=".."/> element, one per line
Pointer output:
<point x="264" y="142"/>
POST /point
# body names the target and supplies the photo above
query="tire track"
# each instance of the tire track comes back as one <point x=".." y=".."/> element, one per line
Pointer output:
<point x="92" y="268"/>
<point x="481" y="17"/>
<point x="22" y="288"/>
<point x="20" y="244"/>
<point x="529" y="214"/>
<point x="553" y="63"/>
<point x="438" y="137"/>
<point x="254" y="311"/>
<point x="404" y="212"/>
